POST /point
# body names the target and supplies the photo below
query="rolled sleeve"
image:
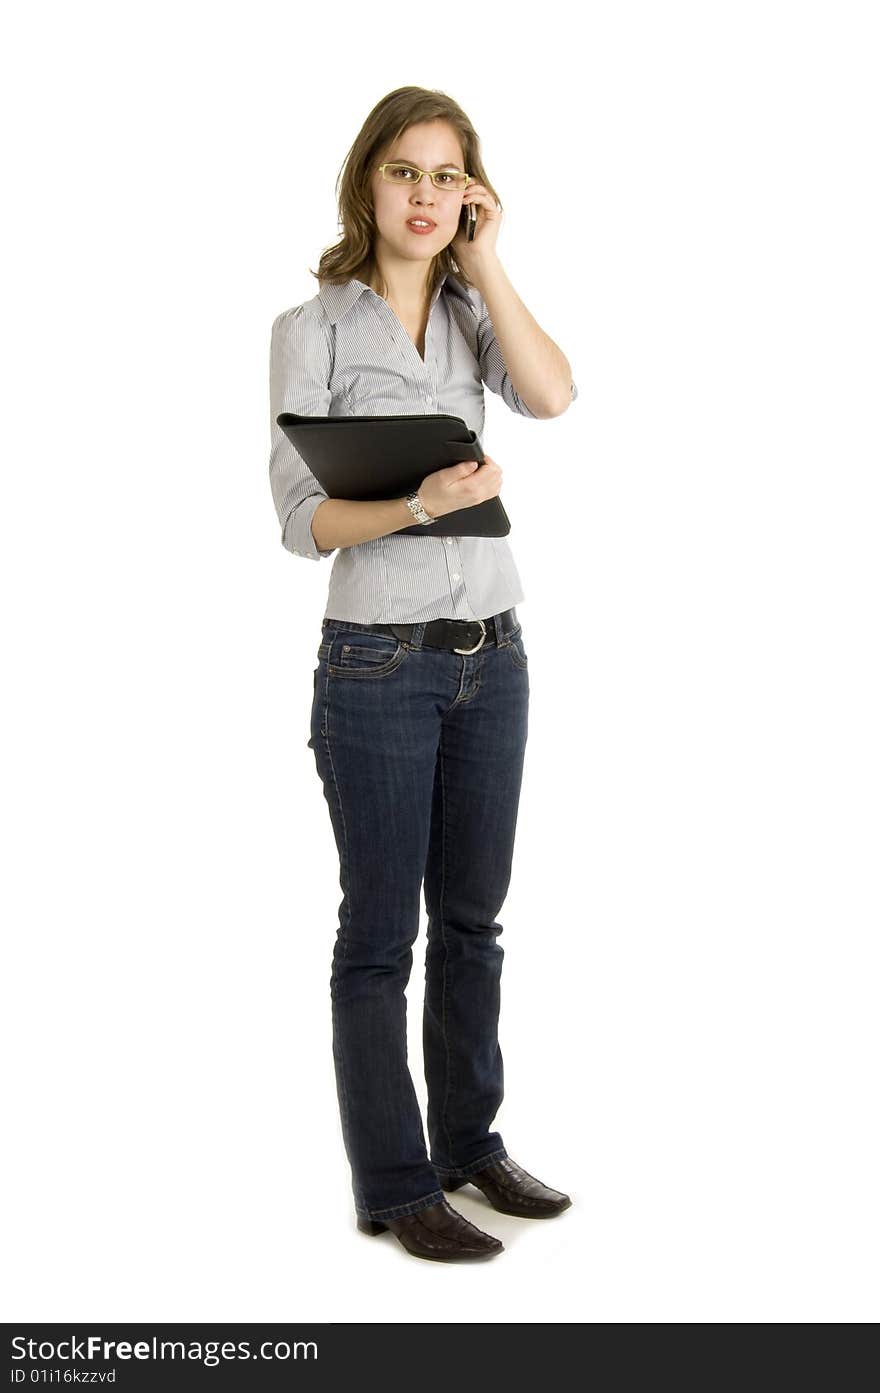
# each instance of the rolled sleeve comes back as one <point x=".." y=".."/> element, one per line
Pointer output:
<point x="493" y="368"/>
<point x="301" y="362"/>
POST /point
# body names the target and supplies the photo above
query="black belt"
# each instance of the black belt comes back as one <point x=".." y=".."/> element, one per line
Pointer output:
<point x="461" y="635"/>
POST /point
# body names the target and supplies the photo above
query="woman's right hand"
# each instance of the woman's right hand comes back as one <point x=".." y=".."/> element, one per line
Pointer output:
<point x="460" y="486"/>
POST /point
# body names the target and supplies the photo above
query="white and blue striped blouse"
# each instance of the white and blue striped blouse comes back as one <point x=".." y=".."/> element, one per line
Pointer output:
<point x="346" y="353"/>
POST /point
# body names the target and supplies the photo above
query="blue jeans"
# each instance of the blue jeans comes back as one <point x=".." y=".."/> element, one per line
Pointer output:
<point x="420" y="751"/>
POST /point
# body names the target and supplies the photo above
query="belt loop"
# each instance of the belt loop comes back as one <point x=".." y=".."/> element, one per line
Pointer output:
<point x="413" y="634"/>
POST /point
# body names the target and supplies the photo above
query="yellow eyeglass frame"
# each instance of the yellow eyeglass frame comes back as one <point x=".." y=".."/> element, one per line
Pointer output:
<point x="432" y="175"/>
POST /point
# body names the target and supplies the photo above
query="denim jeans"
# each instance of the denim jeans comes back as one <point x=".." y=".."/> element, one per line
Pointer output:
<point x="420" y="752"/>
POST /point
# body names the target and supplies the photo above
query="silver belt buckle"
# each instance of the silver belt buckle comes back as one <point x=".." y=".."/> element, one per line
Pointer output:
<point x="479" y="645"/>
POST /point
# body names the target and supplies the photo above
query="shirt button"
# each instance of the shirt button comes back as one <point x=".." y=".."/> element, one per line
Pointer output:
<point x="455" y="575"/>
<point x="448" y="541"/>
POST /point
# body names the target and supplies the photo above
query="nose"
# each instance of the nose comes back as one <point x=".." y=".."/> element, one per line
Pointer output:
<point x="417" y="188"/>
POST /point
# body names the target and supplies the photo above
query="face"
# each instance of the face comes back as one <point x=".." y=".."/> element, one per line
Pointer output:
<point x="430" y="145"/>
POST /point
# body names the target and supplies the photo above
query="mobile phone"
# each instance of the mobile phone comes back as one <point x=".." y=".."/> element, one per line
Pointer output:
<point x="468" y="221"/>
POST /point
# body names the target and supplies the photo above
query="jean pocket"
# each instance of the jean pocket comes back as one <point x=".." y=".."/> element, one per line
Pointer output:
<point x="362" y="654"/>
<point x="516" y="649"/>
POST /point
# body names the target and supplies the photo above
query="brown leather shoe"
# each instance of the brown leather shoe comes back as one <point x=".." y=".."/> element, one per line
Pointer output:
<point x="511" y="1190"/>
<point x="438" y="1232"/>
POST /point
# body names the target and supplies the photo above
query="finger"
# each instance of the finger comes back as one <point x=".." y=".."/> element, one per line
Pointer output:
<point x="489" y="206"/>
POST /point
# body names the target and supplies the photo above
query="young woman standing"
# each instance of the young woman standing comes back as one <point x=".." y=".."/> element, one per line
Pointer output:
<point x="420" y="712"/>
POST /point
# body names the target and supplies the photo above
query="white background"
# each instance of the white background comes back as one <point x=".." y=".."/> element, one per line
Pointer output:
<point x="689" y="1020"/>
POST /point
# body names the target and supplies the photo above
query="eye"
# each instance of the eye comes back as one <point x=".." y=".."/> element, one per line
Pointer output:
<point x="402" y="172"/>
<point x="450" y="178"/>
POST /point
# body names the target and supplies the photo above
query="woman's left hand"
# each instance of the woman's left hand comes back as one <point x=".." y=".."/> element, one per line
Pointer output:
<point x="483" y="247"/>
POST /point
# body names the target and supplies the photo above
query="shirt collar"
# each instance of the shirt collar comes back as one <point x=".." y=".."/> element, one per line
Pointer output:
<point x="337" y="299"/>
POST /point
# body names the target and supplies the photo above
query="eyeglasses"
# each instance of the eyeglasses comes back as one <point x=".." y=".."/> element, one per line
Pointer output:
<point x="441" y="178"/>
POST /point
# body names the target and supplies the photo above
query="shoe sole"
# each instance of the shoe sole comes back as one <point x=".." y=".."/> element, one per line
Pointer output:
<point x="375" y="1226"/>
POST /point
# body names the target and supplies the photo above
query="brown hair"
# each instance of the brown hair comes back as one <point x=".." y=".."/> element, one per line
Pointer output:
<point x="353" y="255"/>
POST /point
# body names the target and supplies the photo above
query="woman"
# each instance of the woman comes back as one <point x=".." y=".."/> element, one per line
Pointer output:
<point x="420" y="710"/>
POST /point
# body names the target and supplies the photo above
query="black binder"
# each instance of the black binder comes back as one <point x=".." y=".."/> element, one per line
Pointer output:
<point x="376" y="457"/>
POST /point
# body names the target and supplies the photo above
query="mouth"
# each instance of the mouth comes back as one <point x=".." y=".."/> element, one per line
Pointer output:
<point x="422" y="225"/>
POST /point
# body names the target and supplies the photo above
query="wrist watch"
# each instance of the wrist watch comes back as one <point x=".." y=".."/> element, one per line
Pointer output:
<point x="414" y="503"/>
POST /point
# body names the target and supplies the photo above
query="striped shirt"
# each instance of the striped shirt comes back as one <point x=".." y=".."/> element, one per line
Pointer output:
<point x="346" y="353"/>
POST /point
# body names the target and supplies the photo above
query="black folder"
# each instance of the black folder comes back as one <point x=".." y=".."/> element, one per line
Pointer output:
<point x="376" y="457"/>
